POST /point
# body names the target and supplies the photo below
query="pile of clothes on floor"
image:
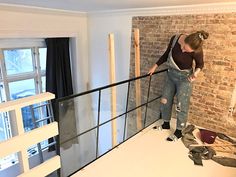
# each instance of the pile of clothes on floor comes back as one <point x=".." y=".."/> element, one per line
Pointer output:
<point x="205" y="144"/>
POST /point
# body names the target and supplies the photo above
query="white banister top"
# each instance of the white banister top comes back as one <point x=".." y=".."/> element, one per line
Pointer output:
<point x="22" y="102"/>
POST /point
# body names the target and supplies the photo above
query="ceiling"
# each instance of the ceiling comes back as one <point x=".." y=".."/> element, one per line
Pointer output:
<point x="101" y="5"/>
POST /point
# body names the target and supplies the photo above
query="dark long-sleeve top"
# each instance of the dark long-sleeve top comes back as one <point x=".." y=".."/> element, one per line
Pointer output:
<point x="184" y="60"/>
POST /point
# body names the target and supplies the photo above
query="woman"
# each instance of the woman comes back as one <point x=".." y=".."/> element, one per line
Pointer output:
<point x="181" y="52"/>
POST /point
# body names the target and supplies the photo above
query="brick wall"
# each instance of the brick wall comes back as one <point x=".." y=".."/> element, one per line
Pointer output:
<point x="213" y="90"/>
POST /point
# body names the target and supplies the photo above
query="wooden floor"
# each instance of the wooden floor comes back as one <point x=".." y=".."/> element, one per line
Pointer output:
<point x="148" y="154"/>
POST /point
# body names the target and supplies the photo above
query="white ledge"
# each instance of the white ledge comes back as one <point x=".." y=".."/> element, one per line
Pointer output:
<point x="20" y="103"/>
<point x="173" y="10"/>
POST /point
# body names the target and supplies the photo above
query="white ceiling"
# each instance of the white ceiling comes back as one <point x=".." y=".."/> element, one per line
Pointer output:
<point x="100" y="5"/>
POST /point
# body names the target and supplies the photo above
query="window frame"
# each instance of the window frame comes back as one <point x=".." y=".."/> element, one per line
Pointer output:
<point x="5" y="79"/>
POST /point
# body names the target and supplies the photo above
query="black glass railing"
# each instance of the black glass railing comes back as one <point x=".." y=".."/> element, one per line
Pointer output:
<point x="85" y="119"/>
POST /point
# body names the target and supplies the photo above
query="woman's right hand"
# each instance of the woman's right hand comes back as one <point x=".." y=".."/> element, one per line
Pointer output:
<point x="152" y="70"/>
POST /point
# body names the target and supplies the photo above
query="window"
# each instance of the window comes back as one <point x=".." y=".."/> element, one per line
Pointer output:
<point x="22" y="74"/>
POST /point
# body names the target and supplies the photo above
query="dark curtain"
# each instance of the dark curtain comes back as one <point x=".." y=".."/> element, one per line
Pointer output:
<point x="59" y="82"/>
<point x="58" y="70"/>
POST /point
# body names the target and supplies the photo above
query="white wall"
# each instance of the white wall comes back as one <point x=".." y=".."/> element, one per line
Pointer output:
<point x="41" y="23"/>
<point x="99" y="26"/>
<point x="98" y="29"/>
<point x="36" y="23"/>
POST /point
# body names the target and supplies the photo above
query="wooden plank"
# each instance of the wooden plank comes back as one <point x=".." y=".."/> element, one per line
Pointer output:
<point x="137" y="82"/>
<point x="44" y="169"/>
<point x="20" y="103"/>
<point x="23" y="160"/>
<point x="22" y="155"/>
<point x="113" y="89"/>
<point x="24" y="141"/>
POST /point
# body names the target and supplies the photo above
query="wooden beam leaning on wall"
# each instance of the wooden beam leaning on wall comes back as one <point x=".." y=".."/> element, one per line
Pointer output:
<point x="113" y="89"/>
<point x="137" y="82"/>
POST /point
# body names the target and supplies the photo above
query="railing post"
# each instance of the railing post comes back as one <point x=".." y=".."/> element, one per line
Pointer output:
<point x="57" y="138"/>
<point x="99" y="107"/>
<point x="149" y="85"/>
<point x="126" y="109"/>
<point x="35" y="126"/>
<point x="22" y="155"/>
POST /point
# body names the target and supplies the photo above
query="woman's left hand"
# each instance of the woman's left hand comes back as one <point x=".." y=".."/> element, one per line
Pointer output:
<point x="192" y="78"/>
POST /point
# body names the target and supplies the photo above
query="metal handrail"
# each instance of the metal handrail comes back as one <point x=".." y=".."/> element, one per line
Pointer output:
<point x="107" y="86"/>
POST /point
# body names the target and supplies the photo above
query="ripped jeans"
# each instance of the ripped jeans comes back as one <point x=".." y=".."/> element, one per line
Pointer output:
<point x="176" y="84"/>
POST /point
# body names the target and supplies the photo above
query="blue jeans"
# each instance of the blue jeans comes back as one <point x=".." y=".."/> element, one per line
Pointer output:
<point x="176" y="84"/>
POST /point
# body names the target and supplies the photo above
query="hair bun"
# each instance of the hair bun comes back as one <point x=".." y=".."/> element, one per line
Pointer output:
<point x="204" y="34"/>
